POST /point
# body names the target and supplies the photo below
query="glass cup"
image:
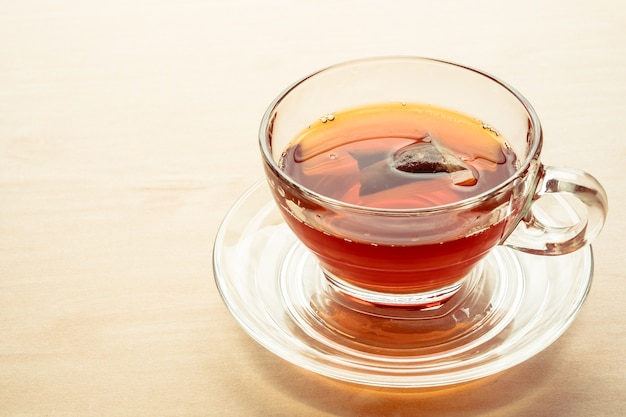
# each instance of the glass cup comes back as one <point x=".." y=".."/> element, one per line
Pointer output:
<point x="420" y="257"/>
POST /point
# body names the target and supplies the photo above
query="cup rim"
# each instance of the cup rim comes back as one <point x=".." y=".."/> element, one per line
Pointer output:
<point x="535" y="148"/>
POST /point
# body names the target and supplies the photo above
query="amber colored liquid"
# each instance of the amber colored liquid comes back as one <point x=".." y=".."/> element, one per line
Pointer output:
<point x="349" y="156"/>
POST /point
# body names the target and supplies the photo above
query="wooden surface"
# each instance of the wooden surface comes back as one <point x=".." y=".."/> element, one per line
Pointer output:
<point x="128" y="129"/>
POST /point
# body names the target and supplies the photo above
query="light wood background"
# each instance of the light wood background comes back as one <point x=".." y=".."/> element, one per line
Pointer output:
<point x="128" y="129"/>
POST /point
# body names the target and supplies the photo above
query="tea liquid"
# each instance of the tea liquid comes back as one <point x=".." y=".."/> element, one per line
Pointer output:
<point x="353" y="156"/>
<point x="396" y="156"/>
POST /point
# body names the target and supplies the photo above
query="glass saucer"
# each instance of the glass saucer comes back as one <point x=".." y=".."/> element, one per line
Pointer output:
<point x="512" y="307"/>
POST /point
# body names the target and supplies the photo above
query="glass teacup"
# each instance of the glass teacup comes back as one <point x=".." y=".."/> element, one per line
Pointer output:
<point x="419" y="252"/>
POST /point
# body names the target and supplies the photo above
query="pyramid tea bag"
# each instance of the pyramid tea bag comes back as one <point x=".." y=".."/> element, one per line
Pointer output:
<point x="381" y="172"/>
<point x="432" y="157"/>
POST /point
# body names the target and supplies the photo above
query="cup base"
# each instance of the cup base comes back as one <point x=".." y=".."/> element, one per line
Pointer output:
<point x="404" y="324"/>
<point x="415" y="301"/>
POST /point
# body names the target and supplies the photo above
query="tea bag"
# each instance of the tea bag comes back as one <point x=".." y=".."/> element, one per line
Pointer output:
<point x="433" y="157"/>
<point x="381" y="172"/>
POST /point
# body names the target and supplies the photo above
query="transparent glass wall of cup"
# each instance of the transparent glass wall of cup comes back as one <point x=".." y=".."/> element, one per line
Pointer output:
<point x="420" y="257"/>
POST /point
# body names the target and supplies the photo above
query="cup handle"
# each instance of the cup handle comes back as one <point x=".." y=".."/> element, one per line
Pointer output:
<point x="567" y="212"/>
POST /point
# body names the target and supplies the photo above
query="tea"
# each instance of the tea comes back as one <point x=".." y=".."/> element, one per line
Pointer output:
<point x="396" y="156"/>
<point x="350" y="156"/>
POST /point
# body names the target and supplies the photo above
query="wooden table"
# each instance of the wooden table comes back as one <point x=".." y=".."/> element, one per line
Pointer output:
<point x="128" y="129"/>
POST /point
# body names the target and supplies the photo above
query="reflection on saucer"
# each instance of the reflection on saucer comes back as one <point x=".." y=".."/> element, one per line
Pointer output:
<point x="400" y="332"/>
<point x="480" y="310"/>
